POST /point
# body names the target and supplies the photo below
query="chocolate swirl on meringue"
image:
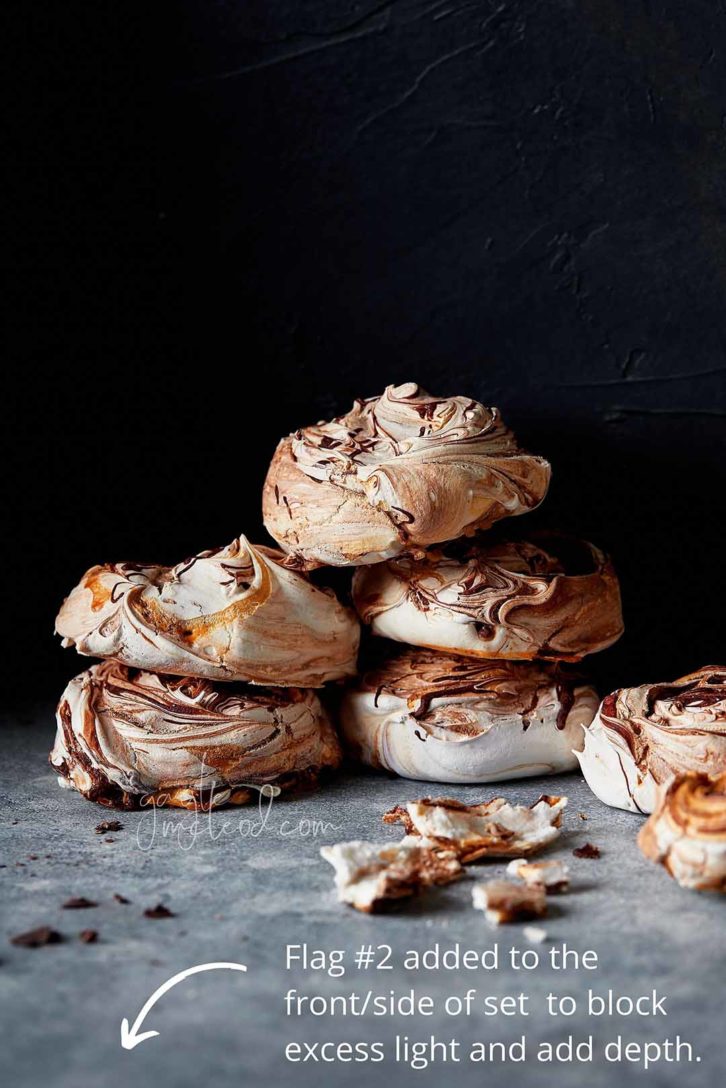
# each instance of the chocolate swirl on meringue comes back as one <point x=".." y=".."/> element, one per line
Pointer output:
<point x="687" y="832"/>
<point x="127" y="739"/>
<point x="642" y="737"/>
<point x="397" y="473"/>
<point x="439" y="718"/>
<point x="551" y="598"/>
<point x="231" y="614"/>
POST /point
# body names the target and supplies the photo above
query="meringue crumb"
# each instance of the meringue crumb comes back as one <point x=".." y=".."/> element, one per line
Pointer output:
<point x="535" y="934"/>
<point x="492" y="828"/>
<point x="367" y="874"/>
<point x="553" y="875"/>
<point x="503" y="902"/>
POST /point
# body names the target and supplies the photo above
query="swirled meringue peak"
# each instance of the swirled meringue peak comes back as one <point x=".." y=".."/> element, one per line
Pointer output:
<point x="397" y="473"/>
<point x="236" y="613"/>
<point x="642" y="737"/>
<point x="553" y="598"/>
<point x="687" y="831"/>
<point x="128" y="738"/>
<point x="439" y="718"/>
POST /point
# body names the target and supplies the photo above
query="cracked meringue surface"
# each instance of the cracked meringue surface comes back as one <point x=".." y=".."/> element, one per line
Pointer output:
<point x="687" y="831"/>
<point x="491" y="829"/>
<point x="642" y="737"/>
<point x="551" y="598"/>
<point x="439" y="718"/>
<point x="397" y="473"/>
<point x="367" y="874"/>
<point x="128" y="738"/>
<point x="232" y="614"/>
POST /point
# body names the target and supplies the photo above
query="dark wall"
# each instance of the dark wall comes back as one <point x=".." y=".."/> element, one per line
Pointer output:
<point x="230" y="219"/>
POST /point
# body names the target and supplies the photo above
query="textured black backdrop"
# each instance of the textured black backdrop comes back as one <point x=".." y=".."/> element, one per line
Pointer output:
<point x="227" y="219"/>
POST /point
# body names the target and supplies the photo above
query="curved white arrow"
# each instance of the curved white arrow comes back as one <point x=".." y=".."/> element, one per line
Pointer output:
<point x="130" y="1035"/>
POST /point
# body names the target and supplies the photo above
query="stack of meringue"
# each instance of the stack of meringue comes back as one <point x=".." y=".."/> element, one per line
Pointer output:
<point x="404" y="488"/>
<point x="174" y="714"/>
<point x="205" y="692"/>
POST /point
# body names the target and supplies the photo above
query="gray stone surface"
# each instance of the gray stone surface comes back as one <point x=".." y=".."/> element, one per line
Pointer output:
<point x="242" y="897"/>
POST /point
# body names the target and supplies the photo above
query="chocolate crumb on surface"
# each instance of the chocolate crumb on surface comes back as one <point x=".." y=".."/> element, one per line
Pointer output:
<point x="159" y="911"/>
<point x="79" y="903"/>
<point x="120" y="898"/>
<point x="108" y="825"/>
<point x="36" y="938"/>
<point x="88" y="936"/>
<point x="589" y="850"/>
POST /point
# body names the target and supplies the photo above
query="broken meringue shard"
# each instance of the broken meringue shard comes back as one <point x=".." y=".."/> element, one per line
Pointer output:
<point x="439" y="718"/>
<point x="553" y="876"/>
<point x="641" y="737"/>
<point x="128" y="739"/>
<point x="492" y="829"/>
<point x="397" y="473"/>
<point x="687" y="831"/>
<point x="233" y="614"/>
<point x="504" y="902"/>
<point x="552" y="598"/>
<point x="367" y="874"/>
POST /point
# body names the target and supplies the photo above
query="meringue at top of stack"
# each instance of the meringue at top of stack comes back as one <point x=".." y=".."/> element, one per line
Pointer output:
<point x="641" y="738"/>
<point x="398" y="473"/>
<point x="551" y="597"/>
<point x="232" y="614"/>
<point x="128" y="738"/>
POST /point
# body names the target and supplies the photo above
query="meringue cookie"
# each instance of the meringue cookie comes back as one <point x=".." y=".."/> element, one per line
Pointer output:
<point x="367" y="874"/>
<point x="504" y="902"/>
<point x="128" y="739"/>
<point x="641" y="737"/>
<point x="397" y="473"/>
<point x="437" y="718"/>
<point x="492" y="829"/>
<point x="553" y="599"/>
<point x="235" y="613"/>
<point x="687" y="831"/>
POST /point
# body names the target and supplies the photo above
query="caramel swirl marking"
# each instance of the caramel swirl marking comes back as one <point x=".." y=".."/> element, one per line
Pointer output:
<point x="399" y="472"/>
<point x="686" y="833"/>
<point x="550" y="598"/>
<point x="642" y="737"/>
<point x="238" y="613"/>
<point x="128" y="739"/>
